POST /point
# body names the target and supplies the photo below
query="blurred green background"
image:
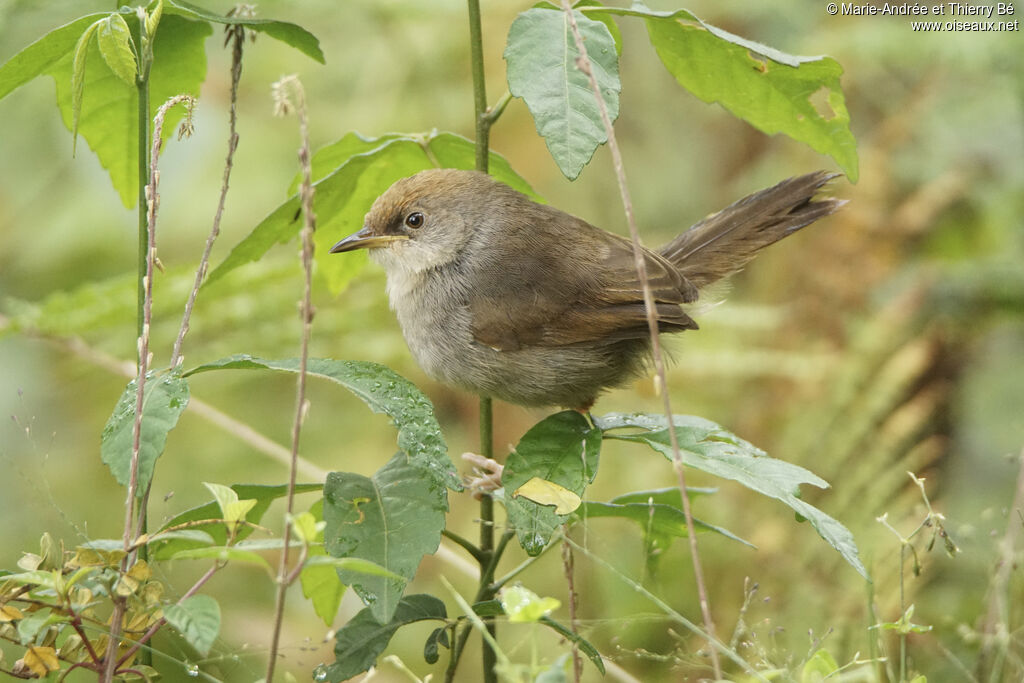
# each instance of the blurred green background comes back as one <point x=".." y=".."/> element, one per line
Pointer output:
<point x="887" y="339"/>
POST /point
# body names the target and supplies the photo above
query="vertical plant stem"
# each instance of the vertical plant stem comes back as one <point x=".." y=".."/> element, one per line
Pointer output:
<point x="569" y="569"/>
<point x="284" y="577"/>
<point x="237" y="35"/>
<point x="142" y="88"/>
<point x="483" y="123"/>
<point x="583" y="63"/>
<point x="483" y="130"/>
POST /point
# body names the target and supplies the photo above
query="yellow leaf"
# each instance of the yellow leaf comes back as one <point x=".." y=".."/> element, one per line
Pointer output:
<point x="544" y="492"/>
<point x="41" y="660"/>
<point x="9" y="613"/>
<point x="140" y="571"/>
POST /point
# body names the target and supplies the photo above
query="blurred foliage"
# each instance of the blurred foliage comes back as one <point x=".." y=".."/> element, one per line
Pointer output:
<point x="887" y="339"/>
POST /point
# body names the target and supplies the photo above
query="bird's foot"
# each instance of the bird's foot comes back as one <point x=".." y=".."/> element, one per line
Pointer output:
<point x="486" y="475"/>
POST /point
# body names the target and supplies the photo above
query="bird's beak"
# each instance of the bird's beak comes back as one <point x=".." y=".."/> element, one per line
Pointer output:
<point x="365" y="239"/>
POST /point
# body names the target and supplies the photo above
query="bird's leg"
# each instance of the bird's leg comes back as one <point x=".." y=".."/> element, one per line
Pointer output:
<point x="486" y="474"/>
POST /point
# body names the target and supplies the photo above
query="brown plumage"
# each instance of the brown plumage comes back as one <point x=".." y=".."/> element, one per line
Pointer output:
<point x="513" y="299"/>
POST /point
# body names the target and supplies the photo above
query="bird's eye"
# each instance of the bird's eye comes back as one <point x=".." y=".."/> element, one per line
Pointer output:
<point x="414" y="220"/>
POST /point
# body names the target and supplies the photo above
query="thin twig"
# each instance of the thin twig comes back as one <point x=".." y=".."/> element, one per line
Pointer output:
<point x="568" y="568"/>
<point x="237" y="34"/>
<point x="283" y="105"/>
<point x="153" y="203"/>
<point x="584" y="65"/>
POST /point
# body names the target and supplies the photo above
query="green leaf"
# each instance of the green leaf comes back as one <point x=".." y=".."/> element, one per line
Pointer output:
<point x="437" y="637"/>
<point x="42" y="55"/>
<point x="660" y="523"/>
<point x="153" y="19"/>
<point x="605" y="19"/>
<point x="393" y="519"/>
<point x="115" y="43"/>
<point x="197" y="619"/>
<point x="454" y="151"/>
<point x="321" y="586"/>
<point x="773" y="91"/>
<point x="564" y="449"/>
<point x="306" y="527"/>
<point x="664" y="496"/>
<point x="706" y="446"/>
<point x="109" y="111"/>
<point x="288" y="33"/>
<point x="78" y="78"/>
<point x="384" y="391"/>
<point x="363" y="639"/>
<point x="348" y="176"/>
<point x="320" y="583"/>
<point x="223" y="553"/>
<point x="162" y="549"/>
<point x="232" y="509"/>
<point x="541" y="55"/>
<point x="163" y="400"/>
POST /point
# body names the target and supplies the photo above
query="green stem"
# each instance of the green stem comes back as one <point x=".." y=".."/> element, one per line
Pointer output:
<point x="142" y="88"/>
<point x="464" y="543"/>
<point x="476" y="49"/>
<point x="488" y="558"/>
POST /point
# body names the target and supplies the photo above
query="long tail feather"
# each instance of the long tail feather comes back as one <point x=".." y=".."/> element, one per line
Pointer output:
<point x="725" y="241"/>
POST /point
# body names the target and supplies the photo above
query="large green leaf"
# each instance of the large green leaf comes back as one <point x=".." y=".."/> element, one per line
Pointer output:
<point x="393" y="519"/>
<point x="363" y="638"/>
<point x="197" y="619"/>
<point x="44" y="54"/>
<point x="384" y="391"/>
<point x="286" y="32"/>
<point x="109" y="109"/>
<point x="706" y="446"/>
<point x="773" y="91"/>
<point x="563" y="449"/>
<point x="541" y="55"/>
<point x="215" y="530"/>
<point x="348" y="176"/>
<point x="163" y="400"/>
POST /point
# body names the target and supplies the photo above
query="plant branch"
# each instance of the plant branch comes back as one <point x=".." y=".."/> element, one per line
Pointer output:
<point x="584" y="65"/>
<point x="283" y="105"/>
<point x="465" y="544"/>
<point x="568" y="568"/>
<point x="237" y="36"/>
<point x="483" y="120"/>
<point x="152" y="204"/>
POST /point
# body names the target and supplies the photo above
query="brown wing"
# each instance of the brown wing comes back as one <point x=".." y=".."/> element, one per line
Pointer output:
<point x="571" y="285"/>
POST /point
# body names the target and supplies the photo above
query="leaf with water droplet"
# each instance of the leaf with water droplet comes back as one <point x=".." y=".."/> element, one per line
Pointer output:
<point x="562" y="449"/>
<point x="164" y="398"/>
<point x="393" y="518"/>
<point x="197" y="619"/>
<point x="384" y="391"/>
<point x="362" y="639"/>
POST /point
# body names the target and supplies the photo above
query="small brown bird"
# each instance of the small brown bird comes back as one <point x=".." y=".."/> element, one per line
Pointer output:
<point x="512" y="299"/>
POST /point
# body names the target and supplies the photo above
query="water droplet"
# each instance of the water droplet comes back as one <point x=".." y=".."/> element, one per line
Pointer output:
<point x="192" y="670"/>
<point x="320" y="673"/>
